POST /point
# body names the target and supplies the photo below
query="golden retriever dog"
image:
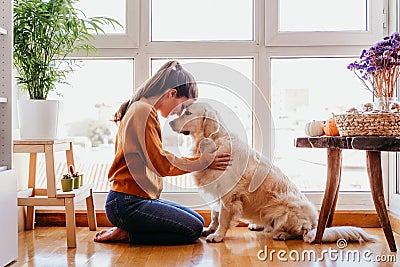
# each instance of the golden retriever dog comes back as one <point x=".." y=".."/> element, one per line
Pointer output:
<point x="252" y="189"/>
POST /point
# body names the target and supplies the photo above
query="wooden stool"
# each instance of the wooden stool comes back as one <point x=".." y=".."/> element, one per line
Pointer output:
<point x="50" y="196"/>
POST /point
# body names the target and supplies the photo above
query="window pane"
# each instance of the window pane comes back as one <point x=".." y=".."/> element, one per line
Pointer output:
<point x="230" y="93"/>
<point x="201" y="20"/>
<point x="95" y="92"/>
<point x="322" y="15"/>
<point x="110" y="8"/>
<point x="316" y="88"/>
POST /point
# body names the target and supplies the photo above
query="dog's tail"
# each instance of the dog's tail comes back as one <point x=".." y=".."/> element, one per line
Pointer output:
<point x="348" y="233"/>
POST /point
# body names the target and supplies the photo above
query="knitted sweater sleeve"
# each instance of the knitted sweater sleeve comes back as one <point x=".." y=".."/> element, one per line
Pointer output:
<point x="157" y="159"/>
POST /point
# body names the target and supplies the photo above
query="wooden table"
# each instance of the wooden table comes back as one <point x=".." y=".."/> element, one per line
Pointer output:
<point x="373" y="145"/>
<point x="51" y="196"/>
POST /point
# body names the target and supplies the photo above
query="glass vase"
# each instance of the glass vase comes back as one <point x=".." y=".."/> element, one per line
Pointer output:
<point x="385" y="104"/>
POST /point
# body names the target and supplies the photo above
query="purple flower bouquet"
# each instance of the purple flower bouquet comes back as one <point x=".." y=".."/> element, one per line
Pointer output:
<point x="378" y="67"/>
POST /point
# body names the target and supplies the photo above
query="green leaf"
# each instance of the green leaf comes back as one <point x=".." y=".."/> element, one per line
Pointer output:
<point x="45" y="33"/>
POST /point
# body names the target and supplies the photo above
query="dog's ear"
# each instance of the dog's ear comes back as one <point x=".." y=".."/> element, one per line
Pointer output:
<point x="210" y="123"/>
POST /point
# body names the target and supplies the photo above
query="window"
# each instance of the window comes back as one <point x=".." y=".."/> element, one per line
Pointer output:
<point x="312" y="93"/>
<point x="116" y="11"/>
<point x="229" y="92"/>
<point x="94" y="93"/>
<point x="202" y="20"/>
<point x="292" y="57"/>
<point x="394" y="163"/>
<point x="126" y="12"/>
<point x="321" y="15"/>
<point x="324" y="22"/>
<point x="394" y="186"/>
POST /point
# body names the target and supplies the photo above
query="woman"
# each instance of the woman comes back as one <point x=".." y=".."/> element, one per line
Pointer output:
<point x="133" y="205"/>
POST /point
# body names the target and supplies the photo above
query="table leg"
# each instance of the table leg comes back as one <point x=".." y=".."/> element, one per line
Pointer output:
<point x="30" y="217"/>
<point x="30" y="210"/>
<point x="50" y="172"/>
<point x="332" y="212"/>
<point x="91" y="212"/>
<point x="70" y="222"/>
<point x="32" y="172"/>
<point x="70" y="156"/>
<point x="331" y="191"/>
<point x="375" y="181"/>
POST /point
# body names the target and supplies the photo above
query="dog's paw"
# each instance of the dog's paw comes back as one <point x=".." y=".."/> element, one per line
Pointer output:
<point x="214" y="238"/>
<point x="309" y="236"/>
<point x="281" y="236"/>
<point x="268" y="229"/>
<point x="207" y="231"/>
<point x="255" y="227"/>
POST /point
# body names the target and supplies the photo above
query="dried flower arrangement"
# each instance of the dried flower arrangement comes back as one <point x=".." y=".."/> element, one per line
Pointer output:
<point x="378" y="70"/>
<point x="378" y="67"/>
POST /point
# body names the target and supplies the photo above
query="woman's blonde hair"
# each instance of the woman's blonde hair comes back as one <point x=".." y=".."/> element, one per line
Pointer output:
<point x="170" y="75"/>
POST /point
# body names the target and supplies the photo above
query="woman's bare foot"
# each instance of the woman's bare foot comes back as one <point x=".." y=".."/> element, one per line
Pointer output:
<point x="114" y="234"/>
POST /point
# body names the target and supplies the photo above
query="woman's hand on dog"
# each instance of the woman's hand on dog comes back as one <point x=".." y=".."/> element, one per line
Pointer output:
<point x="221" y="161"/>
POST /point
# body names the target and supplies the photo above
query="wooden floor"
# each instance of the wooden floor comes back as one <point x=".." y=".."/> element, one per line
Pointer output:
<point x="46" y="246"/>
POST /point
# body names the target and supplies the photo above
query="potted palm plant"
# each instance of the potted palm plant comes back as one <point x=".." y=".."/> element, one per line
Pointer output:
<point x="45" y="33"/>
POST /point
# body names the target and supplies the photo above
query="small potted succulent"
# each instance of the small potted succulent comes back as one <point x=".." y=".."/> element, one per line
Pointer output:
<point x="76" y="177"/>
<point x="67" y="183"/>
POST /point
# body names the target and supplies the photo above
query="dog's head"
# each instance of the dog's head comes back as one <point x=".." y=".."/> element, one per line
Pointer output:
<point x="198" y="120"/>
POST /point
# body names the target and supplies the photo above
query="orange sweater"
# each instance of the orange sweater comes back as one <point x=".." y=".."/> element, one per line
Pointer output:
<point x="140" y="160"/>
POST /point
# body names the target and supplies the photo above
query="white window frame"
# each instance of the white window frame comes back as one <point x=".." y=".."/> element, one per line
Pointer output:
<point x="131" y="37"/>
<point x="276" y="38"/>
<point x="262" y="49"/>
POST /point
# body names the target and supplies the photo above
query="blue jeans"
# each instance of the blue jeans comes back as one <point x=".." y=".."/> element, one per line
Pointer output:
<point x="153" y="221"/>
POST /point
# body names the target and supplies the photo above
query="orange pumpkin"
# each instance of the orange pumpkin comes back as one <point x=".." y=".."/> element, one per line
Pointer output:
<point x="330" y="127"/>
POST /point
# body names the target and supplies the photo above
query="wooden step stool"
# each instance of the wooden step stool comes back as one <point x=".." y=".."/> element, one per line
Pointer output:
<point x="50" y="196"/>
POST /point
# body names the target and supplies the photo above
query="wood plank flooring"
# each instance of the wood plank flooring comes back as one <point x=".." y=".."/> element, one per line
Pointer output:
<point x="46" y="246"/>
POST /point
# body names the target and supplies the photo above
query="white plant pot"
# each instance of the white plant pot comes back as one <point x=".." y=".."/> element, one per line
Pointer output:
<point x="38" y="119"/>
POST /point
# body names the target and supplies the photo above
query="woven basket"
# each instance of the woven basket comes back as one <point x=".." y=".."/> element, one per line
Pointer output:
<point x="382" y="124"/>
